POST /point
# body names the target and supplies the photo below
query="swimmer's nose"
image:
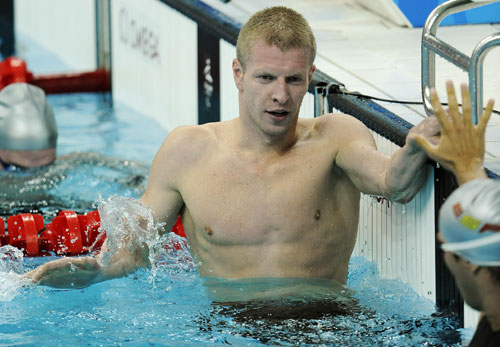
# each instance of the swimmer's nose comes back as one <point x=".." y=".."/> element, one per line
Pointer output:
<point x="280" y="93"/>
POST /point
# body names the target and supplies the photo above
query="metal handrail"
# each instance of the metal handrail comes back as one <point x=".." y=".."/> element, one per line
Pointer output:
<point x="431" y="46"/>
<point x="476" y="72"/>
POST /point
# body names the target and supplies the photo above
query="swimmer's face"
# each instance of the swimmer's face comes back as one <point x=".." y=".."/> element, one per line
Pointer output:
<point x="466" y="280"/>
<point x="272" y="87"/>
<point x="28" y="158"/>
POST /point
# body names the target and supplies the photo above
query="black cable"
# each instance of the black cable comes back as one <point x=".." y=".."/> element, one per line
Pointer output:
<point x="338" y="91"/>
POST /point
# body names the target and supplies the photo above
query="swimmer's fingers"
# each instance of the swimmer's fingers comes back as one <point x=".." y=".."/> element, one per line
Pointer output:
<point x="65" y="273"/>
<point x="439" y="112"/>
<point x="37" y="274"/>
<point x="466" y="107"/>
<point x="453" y="105"/>
<point x="481" y="126"/>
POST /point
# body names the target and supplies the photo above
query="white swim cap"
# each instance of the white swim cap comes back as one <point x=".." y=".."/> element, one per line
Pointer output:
<point x="469" y="221"/>
<point x="26" y="119"/>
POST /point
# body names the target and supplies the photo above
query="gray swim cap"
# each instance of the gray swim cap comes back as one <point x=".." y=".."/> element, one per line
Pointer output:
<point x="469" y="221"/>
<point x="26" y="119"/>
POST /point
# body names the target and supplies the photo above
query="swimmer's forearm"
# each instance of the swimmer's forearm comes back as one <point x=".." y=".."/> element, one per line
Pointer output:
<point x="406" y="174"/>
<point x="124" y="262"/>
<point x="74" y="273"/>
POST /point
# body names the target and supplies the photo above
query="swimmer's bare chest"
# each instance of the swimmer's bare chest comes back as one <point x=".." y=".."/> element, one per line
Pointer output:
<point x="284" y="215"/>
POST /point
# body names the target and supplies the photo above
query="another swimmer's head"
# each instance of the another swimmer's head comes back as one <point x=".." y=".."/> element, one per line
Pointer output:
<point x="278" y="26"/>
<point x="28" y="131"/>
<point x="469" y="223"/>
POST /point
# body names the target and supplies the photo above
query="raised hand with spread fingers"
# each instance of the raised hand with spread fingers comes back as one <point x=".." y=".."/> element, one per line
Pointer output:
<point x="462" y="144"/>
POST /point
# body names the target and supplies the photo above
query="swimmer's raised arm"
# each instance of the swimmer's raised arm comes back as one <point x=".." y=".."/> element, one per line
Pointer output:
<point x="462" y="144"/>
<point x="399" y="177"/>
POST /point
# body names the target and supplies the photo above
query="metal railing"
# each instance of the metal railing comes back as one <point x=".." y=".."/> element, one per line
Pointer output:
<point x="431" y="46"/>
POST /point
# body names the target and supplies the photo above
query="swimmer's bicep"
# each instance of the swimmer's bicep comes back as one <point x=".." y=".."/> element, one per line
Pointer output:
<point x="162" y="192"/>
<point x="165" y="201"/>
<point x="360" y="160"/>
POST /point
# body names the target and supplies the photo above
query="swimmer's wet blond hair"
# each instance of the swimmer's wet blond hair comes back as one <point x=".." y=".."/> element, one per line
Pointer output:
<point x="279" y="26"/>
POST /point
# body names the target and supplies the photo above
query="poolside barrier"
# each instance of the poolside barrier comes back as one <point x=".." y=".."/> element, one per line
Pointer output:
<point x="68" y="234"/>
<point x="14" y="70"/>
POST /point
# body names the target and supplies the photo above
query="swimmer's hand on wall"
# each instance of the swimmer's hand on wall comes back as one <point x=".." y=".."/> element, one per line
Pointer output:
<point x="427" y="129"/>
<point x="462" y="145"/>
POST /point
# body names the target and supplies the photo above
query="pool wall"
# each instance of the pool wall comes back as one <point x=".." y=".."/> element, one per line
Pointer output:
<point x="171" y="60"/>
<point x="66" y="28"/>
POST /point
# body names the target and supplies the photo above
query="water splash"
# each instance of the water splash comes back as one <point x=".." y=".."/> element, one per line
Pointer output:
<point x="129" y="224"/>
<point x="11" y="268"/>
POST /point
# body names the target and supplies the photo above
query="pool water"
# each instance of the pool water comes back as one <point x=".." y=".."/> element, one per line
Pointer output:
<point x="170" y="304"/>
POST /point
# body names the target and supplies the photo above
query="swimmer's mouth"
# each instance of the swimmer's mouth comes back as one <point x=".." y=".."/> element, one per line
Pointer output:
<point x="279" y="114"/>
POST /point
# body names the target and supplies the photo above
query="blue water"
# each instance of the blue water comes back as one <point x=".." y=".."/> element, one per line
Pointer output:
<point x="170" y="304"/>
<point x="174" y="309"/>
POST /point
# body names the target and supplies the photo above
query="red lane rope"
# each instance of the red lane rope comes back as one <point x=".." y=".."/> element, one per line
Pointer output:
<point x="67" y="234"/>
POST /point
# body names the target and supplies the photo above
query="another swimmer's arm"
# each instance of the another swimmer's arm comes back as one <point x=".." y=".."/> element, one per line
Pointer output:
<point x="462" y="145"/>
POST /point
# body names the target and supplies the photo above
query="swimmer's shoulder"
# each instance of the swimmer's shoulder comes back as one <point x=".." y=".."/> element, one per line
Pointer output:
<point x="186" y="143"/>
<point x="335" y="127"/>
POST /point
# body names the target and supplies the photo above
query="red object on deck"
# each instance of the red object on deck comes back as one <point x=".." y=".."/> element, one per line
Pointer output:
<point x="93" y="81"/>
<point x="13" y="70"/>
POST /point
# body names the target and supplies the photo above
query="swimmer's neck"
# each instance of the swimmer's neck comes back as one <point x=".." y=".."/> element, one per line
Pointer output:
<point x="251" y="138"/>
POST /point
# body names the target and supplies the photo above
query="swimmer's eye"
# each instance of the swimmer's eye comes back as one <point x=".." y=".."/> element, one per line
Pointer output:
<point x="290" y="80"/>
<point x="265" y="78"/>
<point x="294" y="80"/>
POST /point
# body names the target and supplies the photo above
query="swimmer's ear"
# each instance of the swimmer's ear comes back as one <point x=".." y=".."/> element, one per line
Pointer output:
<point x="238" y="74"/>
<point x="311" y="72"/>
